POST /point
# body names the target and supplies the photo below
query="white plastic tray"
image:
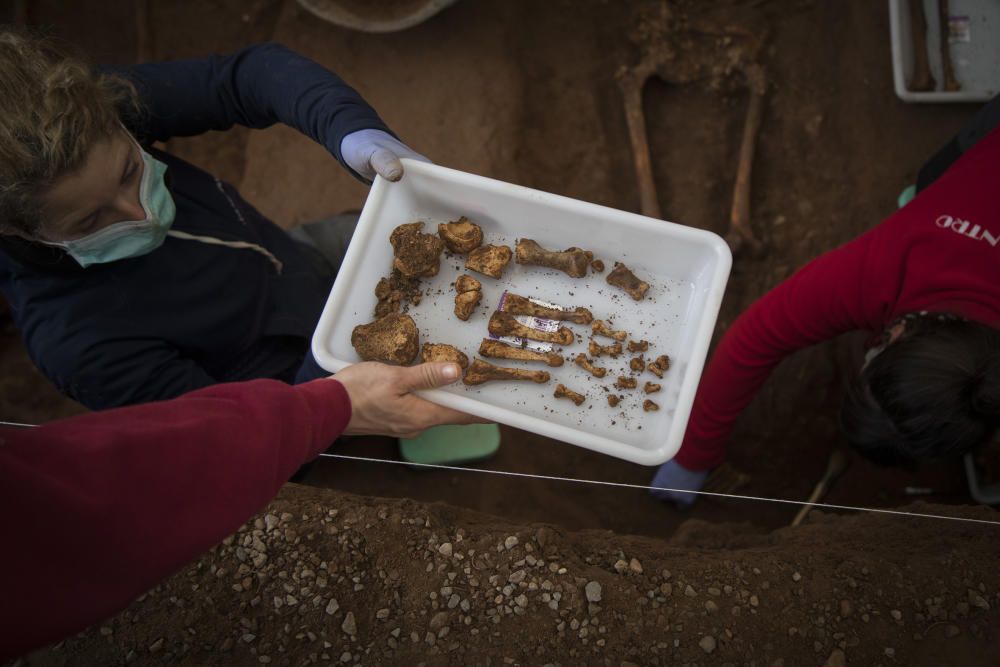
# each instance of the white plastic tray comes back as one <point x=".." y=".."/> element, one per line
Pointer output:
<point x="686" y="267"/>
<point x="976" y="62"/>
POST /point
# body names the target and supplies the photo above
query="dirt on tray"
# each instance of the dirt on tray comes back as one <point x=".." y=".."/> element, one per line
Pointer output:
<point x="527" y="92"/>
<point x="322" y="577"/>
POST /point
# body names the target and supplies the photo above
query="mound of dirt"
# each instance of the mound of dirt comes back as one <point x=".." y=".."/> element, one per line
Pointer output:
<point x="324" y="577"/>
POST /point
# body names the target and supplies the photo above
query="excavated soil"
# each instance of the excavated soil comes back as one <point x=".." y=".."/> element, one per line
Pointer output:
<point x="330" y="578"/>
<point x="526" y="92"/>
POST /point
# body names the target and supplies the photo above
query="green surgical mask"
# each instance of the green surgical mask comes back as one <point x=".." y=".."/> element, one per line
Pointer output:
<point x="130" y="238"/>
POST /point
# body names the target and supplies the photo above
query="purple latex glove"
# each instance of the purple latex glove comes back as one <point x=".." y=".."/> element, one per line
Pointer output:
<point x="371" y="152"/>
<point x="672" y="475"/>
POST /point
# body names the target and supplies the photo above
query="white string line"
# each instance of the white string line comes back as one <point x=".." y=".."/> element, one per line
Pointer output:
<point x="555" y="478"/>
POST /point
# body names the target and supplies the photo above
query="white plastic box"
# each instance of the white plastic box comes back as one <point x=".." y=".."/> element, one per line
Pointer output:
<point x="686" y="267"/>
<point x="975" y="53"/>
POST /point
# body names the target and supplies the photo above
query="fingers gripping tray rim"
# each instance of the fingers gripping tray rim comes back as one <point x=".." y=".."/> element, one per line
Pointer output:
<point x="686" y="268"/>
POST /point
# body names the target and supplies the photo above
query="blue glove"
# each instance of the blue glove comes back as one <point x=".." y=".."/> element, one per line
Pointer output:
<point x="371" y="152"/>
<point x="673" y="475"/>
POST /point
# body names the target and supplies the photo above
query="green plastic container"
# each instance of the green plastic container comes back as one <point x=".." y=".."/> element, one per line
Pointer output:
<point x="451" y="445"/>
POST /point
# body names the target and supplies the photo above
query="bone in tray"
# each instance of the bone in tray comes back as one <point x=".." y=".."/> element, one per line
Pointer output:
<point x="551" y="288"/>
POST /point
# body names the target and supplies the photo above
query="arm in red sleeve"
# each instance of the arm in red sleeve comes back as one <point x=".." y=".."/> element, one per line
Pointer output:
<point x="107" y="504"/>
<point x="829" y="296"/>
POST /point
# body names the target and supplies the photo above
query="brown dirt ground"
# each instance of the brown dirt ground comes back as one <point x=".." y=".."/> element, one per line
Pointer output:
<point x="416" y="584"/>
<point x="525" y="92"/>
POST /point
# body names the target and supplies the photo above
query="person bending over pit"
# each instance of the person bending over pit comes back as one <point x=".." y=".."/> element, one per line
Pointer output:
<point x="133" y="275"/>
<point x="928" y="279"/>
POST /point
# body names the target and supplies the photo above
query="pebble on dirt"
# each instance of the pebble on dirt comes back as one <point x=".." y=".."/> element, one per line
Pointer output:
<point x="349" y="625"/>
<point x="707" y="643"/>
<point x="593" y="591"/>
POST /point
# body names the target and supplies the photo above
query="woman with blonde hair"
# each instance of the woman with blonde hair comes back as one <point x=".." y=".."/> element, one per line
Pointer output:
<point x="133" y="275"/>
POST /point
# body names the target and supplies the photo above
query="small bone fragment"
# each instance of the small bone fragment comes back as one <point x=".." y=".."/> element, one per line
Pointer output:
<point x="597" y="265"/>
<point x="651" y="388"/>
<point x="481" y="371"/>
<point x="650" y="406"/>
<point x="622" y="278"/>
<point x="416" y="254"/>
<point x="613" y="400"/>
<point x="466" y="302"/>
<point x="598" y="350"/>
<point x="602" y="328"/>
<point x="625" y="382"/>
<point x="504" y="324"/>
<point x="467" y="283"/>
<point x="489" y="260"/>
<point x="638" y="346"/>
<point x="443" y="352"/>
<point x="499" y="350"/>
<point x="659" y="366"/>
<point x="563" y="392"/>
<point x="515" y="304"/>
<point x="461" y="236"/>
<point x="392" y="339"/>
<point x="394" y="290"/>
<point x="583" y="362"/>
<point x="637" y="363"/>
<point x="572" y="261"/>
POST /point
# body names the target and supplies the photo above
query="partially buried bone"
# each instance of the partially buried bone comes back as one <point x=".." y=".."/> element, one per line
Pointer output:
<point x="481" y="371"/>
<point x="505" y="324"/>
<point x="622" y="278"/>
<point x="489" y="260"/>
<point x="583" y="362"/>
<point x="602" y="328"/>
<point x="650" y="406"/>
<point x="461" y="236"/>
<point x="572" y="261"/>
<point x="393" y="339"/>
<point x="443" y="352"/>
<point x="516" y="304"/>
<point x="625" y="382"/>
<point x="598" y="350"/>
<point x="651" y="388"/>
<point x="416" y="254"/>
<point x="498" y="350"/>
<point x="564" y="392"/>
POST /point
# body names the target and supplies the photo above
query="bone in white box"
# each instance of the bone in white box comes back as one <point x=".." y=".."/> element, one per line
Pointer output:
<point x="687" y="269"/>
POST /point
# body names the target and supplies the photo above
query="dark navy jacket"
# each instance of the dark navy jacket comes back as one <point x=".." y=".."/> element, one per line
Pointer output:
<point x="188" y="314"/>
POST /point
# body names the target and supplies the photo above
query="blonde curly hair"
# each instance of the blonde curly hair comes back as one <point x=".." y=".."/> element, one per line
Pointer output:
<point x="53" y="108"/>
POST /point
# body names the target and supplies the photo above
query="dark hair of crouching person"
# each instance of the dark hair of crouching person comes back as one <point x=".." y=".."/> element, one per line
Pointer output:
<point x="930" y="394"/>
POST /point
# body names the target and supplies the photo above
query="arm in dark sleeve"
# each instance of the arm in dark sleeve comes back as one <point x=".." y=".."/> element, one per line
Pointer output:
<point x="826" y="298"/>
<point x="256" y="87"/>
<point x="107" y="504"/>
<point x="115" y="373"/>
<point x="987" y="118"/>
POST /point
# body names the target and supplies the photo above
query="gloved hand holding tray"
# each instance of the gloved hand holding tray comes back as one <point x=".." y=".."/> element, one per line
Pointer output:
<point x="686" y="269"/>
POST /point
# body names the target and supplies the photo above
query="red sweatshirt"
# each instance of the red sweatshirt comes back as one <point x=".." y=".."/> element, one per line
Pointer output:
<point x="99" y="508"/>
<point x="940" y="252"/>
